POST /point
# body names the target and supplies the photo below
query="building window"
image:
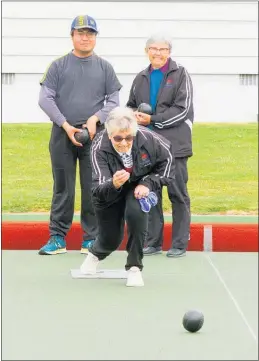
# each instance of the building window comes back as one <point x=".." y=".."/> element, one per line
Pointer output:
<point x="248" y="79"/>
<point x="8" y="78"/>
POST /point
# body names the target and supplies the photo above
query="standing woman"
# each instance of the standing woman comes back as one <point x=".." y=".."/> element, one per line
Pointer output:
<point x="167" y="87"/>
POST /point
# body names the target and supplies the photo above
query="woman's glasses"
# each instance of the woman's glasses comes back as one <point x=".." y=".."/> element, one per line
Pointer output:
<point x="161" y="50"/>
<point x="119" y="138"/>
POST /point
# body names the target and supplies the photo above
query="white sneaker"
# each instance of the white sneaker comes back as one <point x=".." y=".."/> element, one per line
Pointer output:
<point x="134" y="277"/>
<point x="89" y="266"/>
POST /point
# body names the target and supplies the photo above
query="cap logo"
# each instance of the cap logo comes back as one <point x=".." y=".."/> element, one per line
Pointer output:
<point x="81" y="20"/>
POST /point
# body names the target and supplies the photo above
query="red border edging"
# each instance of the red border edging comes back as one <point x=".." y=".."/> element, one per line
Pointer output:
<point x="225" y="237"/>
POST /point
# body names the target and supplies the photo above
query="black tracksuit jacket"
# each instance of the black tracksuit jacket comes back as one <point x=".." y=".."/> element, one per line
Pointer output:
<point x="153" y="165"/>
<point x="174" y="115"/>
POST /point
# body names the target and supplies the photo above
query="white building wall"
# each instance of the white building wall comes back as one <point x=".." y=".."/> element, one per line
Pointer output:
<point x="216" y="42"/>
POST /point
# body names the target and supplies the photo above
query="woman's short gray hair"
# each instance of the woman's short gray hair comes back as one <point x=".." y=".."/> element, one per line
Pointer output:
<point x="159" y="38"/>
<point x="121" y="119"/>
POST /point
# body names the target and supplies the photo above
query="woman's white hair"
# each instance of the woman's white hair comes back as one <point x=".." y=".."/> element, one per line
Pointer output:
<point x="159" y="38"/>
<point x="121" y="119"/>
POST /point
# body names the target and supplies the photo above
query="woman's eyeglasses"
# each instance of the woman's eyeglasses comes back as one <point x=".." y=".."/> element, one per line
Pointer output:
<point x="119" y="138"/>
<point x="161" y="50"/>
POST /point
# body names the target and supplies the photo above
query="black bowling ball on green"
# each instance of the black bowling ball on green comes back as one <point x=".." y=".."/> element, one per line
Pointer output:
<point x="193" y="320"/>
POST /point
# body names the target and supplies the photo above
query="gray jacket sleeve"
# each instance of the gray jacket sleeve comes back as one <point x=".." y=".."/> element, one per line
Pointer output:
<point x="112" y="101"/>
<point x="179" y="110"/>
<point x="49" y="106"/>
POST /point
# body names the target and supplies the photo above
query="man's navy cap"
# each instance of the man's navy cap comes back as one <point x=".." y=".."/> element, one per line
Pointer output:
<point x="84" y="21"/>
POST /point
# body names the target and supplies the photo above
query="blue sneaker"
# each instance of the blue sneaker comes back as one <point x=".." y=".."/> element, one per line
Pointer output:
<point x="85" y="246"/>
<point x="55" y="245"/>
<point x="176" y="252"/>
<point x="149" y="251"/>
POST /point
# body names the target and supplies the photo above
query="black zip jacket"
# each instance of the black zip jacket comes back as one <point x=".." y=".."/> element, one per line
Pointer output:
<point x="173" y="117"/>
<point x="153" y="165"/>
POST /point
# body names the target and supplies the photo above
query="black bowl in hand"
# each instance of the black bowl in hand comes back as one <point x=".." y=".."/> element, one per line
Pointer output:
<point x="82" y="137"/>
<point x="145" y="108"/>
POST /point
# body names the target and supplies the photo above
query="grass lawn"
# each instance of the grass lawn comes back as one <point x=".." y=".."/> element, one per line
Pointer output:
<point x="223" y="172"/>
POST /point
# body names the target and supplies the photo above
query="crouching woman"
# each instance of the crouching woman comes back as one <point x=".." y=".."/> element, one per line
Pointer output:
<point x="130" y="164"/>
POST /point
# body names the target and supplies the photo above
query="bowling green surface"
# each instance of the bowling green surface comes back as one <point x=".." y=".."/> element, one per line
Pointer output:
<point x="47" y="315"/>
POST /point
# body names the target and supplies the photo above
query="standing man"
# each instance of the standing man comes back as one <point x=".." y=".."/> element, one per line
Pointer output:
<point x="167" y="87"/>
<point x="78" y="90"/>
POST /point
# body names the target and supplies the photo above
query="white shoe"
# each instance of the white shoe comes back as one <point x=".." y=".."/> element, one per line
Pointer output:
<point x="134" y="277"/>
<point x="89" y="266"/>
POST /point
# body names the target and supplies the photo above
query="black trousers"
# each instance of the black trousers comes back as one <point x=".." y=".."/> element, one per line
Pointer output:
<point x="180" y="200"/>
<point x="64" y="155"/>
<point x="111" y="222"/>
